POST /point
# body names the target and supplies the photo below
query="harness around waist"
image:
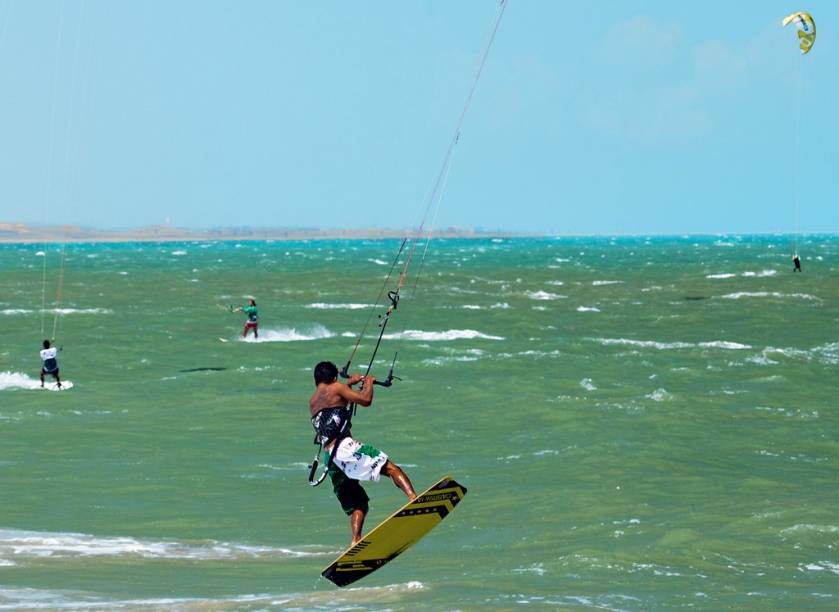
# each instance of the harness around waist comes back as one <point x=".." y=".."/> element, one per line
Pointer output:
<point x="50" y="365"/>
<point x="330" y="423"/>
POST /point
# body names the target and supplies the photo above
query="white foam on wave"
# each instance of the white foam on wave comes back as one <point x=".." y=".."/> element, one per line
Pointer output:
<point x="325" y="306"/>
<point x="821" y="566"/>
<point x="435" y="336"/>
<point x="18" y="380"/>
<point x="588" y="385"/>
<point x="588" y="309"/>
<point x="600" y="283"/>
<point x="763" y="294"/>
<point x="500" y="306"/>
<point x="662" y="346"/>
<point x="809" y="527"/>
<point x="721" y="275"/>
<point x="545" y="295"/>
<point x="179" y="253"/>
<point x="825" y="353"/>
<point x="761" y="274"/>
<point x="354" y="597"/>
<point x="66" y="311"/>
<point x="659" y="395"/>
<point x="439" y="361"/>
<point x="17" y="545"/>
<point x="722" y="344"/>
<point x="61" y="311"/>
<point x="378" y="262"/>
<point x="290" y="334"/>
<point x="471" y="307"/>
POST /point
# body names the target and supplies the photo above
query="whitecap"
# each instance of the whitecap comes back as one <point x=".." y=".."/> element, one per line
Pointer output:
<point x="16" y="311"/>
<point x="599" y="283"/>
<point x="19" y="544"/>
<point x="761" y="274"/>
<point x="471" y="307"/>
<point x="774" y="294"/>
<point x="18" y="380"/>
<point x="588" y="309"/>
<point x="721" y="344"/>
<point x="659" y="395"/>
<point x="500" y="306"/>
<point x="438" y="361"/>
<point x="721" y="275"/>
<point x="290" y="334"/>
<point x="822" y="566"/>
<point x="452" y="334"/>
<point x="325" y="306"/>
<point x="347" y="598"/>
<point x="378" y="262"/>
<point x="545" y="295"/>
<point x="178" y="253"/>
<point x="587" y="384"/>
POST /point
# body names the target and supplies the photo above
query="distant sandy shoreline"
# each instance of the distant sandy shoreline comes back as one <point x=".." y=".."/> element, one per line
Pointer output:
<point x="21" y="234"/>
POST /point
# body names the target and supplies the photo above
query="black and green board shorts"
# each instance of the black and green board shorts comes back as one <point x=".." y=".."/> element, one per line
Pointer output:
<point x="349" y="492"/>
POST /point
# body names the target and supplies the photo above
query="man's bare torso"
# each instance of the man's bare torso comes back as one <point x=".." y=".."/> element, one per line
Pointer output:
<point x="326" y="396"/>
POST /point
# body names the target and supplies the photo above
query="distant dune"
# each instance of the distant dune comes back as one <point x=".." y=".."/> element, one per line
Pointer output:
<point x="19" y="233"/>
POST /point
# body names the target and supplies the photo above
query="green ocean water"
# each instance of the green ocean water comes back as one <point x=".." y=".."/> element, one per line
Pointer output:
<point x="642" y="423"/>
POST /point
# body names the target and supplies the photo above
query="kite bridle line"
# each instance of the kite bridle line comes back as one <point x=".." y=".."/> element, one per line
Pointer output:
<point x="344" y="372"/>
<point x="432" y="207"/>
<point x="433" y="204"/>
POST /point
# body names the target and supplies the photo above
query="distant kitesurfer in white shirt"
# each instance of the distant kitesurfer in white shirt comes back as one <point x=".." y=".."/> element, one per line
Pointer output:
<point x="50" y="363"/>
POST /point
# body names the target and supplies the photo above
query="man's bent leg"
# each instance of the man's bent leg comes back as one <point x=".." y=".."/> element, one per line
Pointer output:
<point x="356" y="524"/>
<point x="400" y="478"/>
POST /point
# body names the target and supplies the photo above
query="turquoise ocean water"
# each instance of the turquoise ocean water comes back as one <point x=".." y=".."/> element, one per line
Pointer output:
<point x="641" y="424"/>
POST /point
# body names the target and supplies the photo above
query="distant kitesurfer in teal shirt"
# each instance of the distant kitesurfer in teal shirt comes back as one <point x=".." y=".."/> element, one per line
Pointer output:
<point x="253" y="318"/>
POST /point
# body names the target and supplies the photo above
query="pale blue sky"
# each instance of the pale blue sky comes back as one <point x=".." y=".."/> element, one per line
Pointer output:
<point x="601" y="117"/>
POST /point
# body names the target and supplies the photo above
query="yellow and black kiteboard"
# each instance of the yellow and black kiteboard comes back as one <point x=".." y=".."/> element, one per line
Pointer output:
<point x="397" y="533"/>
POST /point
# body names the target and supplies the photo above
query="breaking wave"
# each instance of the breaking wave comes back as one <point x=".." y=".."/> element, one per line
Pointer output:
<point x="290" y="334"/>
<point x="433" y="336"/>
<point x="17" y="545"/>
<point x="662" y="346"/>
<point x="774" y="294"/>
<point x="323" y="306"/>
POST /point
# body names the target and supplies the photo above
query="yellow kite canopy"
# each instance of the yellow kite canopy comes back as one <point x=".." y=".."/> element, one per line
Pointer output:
<point x="806" y="29"/>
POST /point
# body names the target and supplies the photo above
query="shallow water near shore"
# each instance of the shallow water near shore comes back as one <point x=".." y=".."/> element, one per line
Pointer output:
<point x="641" y="423"/>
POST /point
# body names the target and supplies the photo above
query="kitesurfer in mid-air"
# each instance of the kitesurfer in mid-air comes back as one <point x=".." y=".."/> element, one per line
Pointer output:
<point x="50" y="363"/>
<point x="352" y="461"/>
<point x="253" y="318"/>
<point x="796" y="261"/>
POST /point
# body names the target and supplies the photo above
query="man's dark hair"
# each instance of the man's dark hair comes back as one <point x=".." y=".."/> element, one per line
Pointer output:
<point x="46" y="344"/>
<point x="325" y="372"/>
